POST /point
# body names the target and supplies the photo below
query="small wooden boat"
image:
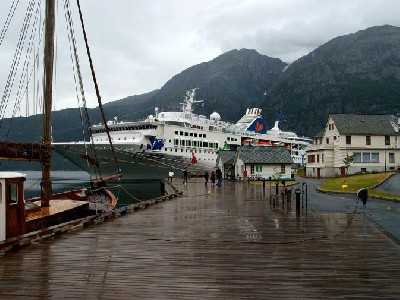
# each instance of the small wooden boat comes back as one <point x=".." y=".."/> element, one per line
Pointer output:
<point x="19" y="216"/>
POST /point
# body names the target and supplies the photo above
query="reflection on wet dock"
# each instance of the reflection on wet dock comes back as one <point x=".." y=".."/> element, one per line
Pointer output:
<point x="233" y="242"/>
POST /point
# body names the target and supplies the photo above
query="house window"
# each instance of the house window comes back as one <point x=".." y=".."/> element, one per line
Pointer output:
<point x="374" y="157"/>
<point x="327" y="140"/>
<point x="368" y="140"/>
<point x="322" y="158"/>
<point x="283" y="169"/>
<point x="252" y="169"/>
<point x="366" y="157"/>
<point x="348" y="139"/>
<point x="391" y="158"/>
<point x="357" y="157"/>
<point x="258" y="168"/>
<point x="311" y="158"/>
<point x="13" y="193"/>
<point x="387" y="140"/>
<point x="318" y="158"/>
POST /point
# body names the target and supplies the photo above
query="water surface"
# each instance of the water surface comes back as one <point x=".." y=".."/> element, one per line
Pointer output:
<point x="128" y="191"/>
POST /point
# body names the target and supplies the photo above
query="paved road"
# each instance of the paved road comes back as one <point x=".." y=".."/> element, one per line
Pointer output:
<point x="391" y="186"/>
<point x="385" y="214"/>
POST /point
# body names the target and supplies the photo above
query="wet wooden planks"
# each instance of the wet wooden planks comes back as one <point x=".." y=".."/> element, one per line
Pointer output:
<point x="233" y="243"/>
<point x="55" y="207"/>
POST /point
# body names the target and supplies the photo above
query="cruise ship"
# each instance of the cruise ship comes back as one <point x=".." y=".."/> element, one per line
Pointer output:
<point x="174" y="140"/>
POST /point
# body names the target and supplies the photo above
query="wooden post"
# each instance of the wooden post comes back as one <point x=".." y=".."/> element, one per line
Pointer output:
<point x="48" y="94"/>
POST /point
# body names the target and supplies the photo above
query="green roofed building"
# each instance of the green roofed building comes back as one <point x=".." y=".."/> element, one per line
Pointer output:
<point x="261" y="162"/>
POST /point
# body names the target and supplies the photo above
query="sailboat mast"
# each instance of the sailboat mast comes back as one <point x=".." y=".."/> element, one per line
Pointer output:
<point x="48" y="95"/>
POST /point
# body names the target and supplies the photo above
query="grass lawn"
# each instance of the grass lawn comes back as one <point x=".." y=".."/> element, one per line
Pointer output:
<point x="352" y="184"/>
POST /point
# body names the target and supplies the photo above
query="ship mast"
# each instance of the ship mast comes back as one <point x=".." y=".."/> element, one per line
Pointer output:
<point x="48" y="94"/>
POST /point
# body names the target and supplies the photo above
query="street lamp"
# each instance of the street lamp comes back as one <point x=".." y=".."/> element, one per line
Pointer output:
<point x="385" y="158"/>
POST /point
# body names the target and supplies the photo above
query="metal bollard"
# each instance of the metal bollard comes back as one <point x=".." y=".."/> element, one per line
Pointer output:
<point x="289" y="195"/>
<point x="298" y="193"/>
<point x="304" y="185"/>
<point x="363" y="195"/>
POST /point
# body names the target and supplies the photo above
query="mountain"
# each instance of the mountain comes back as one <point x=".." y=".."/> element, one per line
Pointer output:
<point x="228" y="84"/>
<point x="355" y="73"/>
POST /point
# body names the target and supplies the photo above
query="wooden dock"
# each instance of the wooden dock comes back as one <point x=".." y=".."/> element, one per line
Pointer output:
<point x="228" y="242"/>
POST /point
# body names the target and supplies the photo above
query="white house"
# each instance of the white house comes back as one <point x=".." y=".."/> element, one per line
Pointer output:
<point x="374" y="141"/>
<point x="262" y="161"/>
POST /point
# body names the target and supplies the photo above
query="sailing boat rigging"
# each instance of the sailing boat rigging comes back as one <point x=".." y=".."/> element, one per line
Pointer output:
<point x="41" y="152"/>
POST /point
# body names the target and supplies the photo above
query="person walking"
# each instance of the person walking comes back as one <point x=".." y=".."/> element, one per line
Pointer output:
<point x="218" y="174"/>
<point x="185" y="176"/>
<point x="212" y="178"/>
<point x="206" y="177"/>
<point x="170" y="175"/>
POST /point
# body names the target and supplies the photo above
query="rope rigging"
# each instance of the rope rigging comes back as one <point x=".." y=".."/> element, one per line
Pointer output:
<point x="16" y="61"/>
<point x="79" y="81"/>
<point x="97" y="89"/>
<point x="10" y="15"/>
<point x="24" y="77"/>
<point x="28" y="46"/>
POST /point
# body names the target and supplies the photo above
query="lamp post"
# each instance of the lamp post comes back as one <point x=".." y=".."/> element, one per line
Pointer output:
<point x="385" y="158"/>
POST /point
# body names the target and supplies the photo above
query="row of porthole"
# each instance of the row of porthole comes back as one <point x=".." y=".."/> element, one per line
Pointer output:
<point x="106" y="139"/>
<point x="176" y="150"/>
<point x="195" y="151"/>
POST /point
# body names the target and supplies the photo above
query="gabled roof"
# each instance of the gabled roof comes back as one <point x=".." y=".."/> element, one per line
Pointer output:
<point x="320" y="134"/>
<point x="264" y="155"/>
<point x="348" y="124"/>
<point x="226" y="156"/>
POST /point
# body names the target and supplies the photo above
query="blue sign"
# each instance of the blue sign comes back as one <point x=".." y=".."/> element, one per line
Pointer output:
<point x="258" y="126"/>
<point x="155" y="144"/>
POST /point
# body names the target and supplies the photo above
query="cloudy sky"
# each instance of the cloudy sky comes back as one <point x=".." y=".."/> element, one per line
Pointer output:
<point x="138" y="45"/>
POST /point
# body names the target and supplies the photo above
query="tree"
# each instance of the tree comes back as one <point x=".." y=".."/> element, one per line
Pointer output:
<point x="347" y="161"/>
